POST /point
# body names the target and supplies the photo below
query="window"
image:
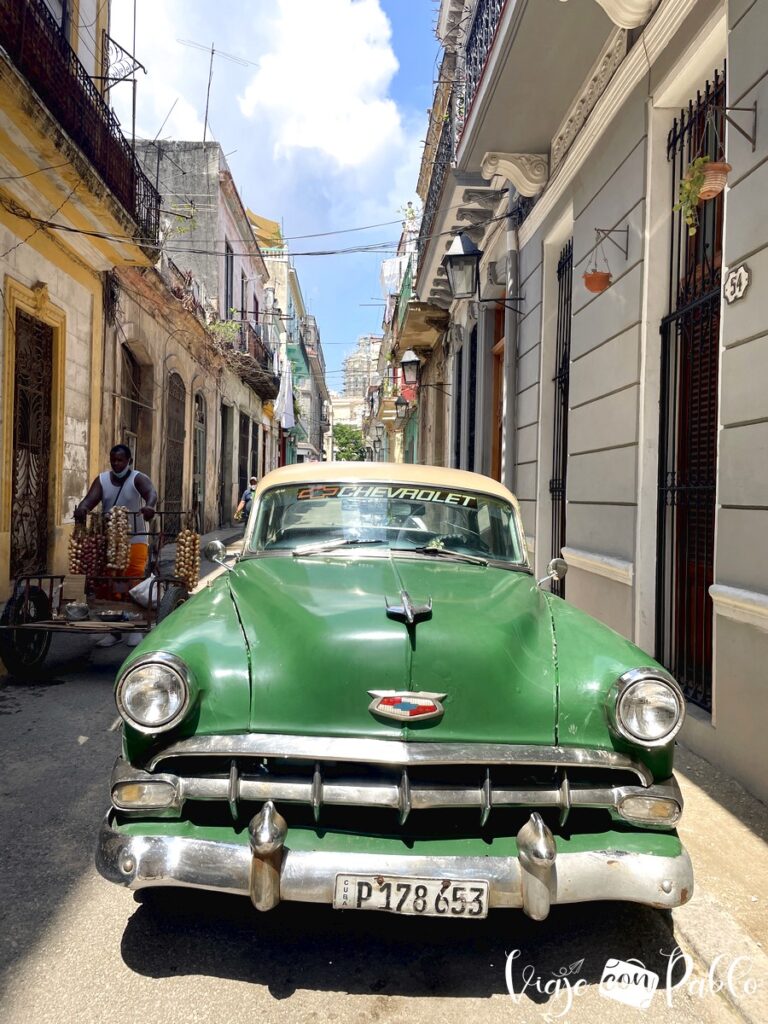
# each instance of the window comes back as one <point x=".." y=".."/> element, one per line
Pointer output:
<point x="243" y="296"/>
<point x="229" y="282"/>
<point x="255" y="309"/>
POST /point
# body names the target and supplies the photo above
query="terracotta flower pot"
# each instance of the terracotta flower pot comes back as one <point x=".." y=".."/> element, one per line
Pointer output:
<point x="715" y="178"/>
<point x="597" y="280"/>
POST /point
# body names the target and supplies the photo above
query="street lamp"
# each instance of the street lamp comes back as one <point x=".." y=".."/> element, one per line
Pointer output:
<point x="379" y="430"/>
<point x="462" y="266"/>
<point x="410" y="364"/>
<point x="401" y="407"/>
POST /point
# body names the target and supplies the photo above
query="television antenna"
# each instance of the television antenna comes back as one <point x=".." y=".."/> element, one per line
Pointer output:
<point x="214" y="53"/>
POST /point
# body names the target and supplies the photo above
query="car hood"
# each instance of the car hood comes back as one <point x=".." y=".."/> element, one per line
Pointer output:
<point x="320" y="638"/>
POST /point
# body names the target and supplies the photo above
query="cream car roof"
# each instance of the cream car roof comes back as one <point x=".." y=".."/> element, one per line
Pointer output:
<point x="384" y="472"/>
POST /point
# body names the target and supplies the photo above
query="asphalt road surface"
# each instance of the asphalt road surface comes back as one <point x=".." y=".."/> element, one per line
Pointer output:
<point x="74" y="948"/>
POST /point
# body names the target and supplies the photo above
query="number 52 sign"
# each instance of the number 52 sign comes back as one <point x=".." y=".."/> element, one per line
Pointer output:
<point x="736" y="283"/>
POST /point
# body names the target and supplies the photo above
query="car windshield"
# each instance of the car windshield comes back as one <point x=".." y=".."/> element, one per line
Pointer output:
<point x="423" y="521"/>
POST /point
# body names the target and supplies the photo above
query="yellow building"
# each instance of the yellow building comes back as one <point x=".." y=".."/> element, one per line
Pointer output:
<point x="74" y="203"/>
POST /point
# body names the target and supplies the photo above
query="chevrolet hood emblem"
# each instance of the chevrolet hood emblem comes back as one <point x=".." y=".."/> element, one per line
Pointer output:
<point x="406" y="705"/>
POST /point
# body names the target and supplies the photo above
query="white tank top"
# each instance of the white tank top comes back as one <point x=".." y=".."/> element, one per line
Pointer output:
<point x="128" y="497"/>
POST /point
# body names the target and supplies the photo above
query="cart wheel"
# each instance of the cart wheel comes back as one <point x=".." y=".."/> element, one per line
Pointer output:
<point x="23" y="651"/>
<point x="171" y="599"/>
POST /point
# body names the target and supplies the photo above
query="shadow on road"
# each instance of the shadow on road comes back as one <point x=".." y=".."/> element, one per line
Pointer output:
<point x="56" y="752"/>
<point x="309" y="947"/>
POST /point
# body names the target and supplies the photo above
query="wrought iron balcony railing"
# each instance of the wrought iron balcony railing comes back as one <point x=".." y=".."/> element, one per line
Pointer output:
<point x="251" y="342"/>
<point x="479" y="44"/>
<point x="443" y="160"/>
<point x="41" y="53"/>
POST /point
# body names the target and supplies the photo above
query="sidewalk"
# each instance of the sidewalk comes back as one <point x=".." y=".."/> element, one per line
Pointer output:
<point x="232" y="539"/>
<point x="725" y="831"/>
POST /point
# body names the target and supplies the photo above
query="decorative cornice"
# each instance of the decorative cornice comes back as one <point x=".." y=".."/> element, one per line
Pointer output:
<point x="663" y="26"/>
<point x="598" y="78"/>
<point x="528" y="172"/>
<point x="616" y="569"/>
<point x="748" y="606"/>
<point x="627" y="13"/>
<point x="477" y="218"/>
<point x="485" y="197"/>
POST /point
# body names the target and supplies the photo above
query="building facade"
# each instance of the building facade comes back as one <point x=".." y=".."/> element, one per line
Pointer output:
<point x="305" y="400"/>
<point x="624" y="407"/>
<point x="74" y="203"/>
<point x="229" y="279"/>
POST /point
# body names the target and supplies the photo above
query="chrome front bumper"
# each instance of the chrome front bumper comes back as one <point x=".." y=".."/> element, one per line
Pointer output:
<point x="268" y="872"/>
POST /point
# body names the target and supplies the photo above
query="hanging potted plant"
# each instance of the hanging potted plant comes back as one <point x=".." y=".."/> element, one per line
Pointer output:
<point x="715" y="178"/>
<point x="704" y="178"/>
<point x="689" y="192"/>
<point x="596" y="280"/>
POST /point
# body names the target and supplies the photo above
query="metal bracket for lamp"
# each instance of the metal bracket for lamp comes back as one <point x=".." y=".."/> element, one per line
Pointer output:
<point x="605" y="233"/>
<point x="505" y="302"/>
<point x="750" y="138"/>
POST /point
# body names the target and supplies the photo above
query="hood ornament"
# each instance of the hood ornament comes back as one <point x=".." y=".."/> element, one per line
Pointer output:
<point x="409" y="612"/>
<point x="406" y="705"/>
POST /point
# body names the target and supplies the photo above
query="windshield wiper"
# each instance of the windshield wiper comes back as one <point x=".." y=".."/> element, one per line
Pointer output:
<point x="329" y="545"/>
<point x="439" y="552"/>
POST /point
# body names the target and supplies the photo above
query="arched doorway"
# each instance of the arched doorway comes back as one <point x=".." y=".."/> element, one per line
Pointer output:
<point x="198" y="462"/>
<point x="174" y="451"/>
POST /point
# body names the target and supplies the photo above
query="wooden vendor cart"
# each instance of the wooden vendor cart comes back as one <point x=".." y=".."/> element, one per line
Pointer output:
<point x="39" y="607"/>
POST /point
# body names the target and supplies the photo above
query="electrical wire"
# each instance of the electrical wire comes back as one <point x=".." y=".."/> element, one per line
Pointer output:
<point x="382" y="248"/>
<point x="49" y="167"/>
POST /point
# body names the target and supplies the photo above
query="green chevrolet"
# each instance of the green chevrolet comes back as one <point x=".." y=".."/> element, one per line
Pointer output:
<point x="377" y="706"/>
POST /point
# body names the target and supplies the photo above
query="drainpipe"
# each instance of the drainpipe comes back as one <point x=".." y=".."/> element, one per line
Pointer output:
<point x="510" y="346"/>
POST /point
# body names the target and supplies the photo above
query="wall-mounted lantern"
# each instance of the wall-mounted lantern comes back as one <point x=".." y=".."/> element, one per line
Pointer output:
<point x="410" y="364"/>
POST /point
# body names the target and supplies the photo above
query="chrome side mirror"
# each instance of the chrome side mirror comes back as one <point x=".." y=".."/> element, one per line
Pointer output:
<point x="556" y="570"/>
<point x="215" y="551"/>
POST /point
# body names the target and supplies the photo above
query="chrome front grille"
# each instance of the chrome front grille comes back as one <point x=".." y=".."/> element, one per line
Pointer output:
<point x="401" y="791"/>
<point x="396" y="776"/>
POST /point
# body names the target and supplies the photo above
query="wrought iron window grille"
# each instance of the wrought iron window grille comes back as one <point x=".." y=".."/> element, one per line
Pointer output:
<point x="688" y="416"/>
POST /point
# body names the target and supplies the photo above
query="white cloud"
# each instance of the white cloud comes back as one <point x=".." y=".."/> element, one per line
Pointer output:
<point x="322" y="82"/>
<point x="168" y="79"/>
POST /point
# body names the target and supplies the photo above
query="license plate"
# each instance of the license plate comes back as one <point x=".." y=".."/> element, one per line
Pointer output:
<point x="418" y="897"/>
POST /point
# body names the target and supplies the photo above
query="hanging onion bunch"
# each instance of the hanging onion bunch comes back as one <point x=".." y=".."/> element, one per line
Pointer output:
<point x="93" y="549"/>
<point x="187" y="566"/>
<point x="76" y="546"/>
<point x="118" y="539"/>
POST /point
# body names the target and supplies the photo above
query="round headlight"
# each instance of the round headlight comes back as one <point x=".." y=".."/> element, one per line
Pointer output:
<point x="153" y="695"/>
<point x="649" y="707"/>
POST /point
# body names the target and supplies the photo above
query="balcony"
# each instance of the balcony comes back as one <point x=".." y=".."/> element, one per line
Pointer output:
<point x="258" y="373"/>
<point x="479" y="44"/>
<point x="41" y="54"/>
<point x="443" y="162"/>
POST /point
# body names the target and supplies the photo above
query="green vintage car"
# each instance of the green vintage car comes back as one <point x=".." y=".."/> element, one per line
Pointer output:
<point x="377" y="706"/>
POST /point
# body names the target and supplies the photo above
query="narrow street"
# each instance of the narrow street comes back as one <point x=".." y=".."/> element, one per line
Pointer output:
<point x="74" y="948"/>
<point x="436" y="330"/>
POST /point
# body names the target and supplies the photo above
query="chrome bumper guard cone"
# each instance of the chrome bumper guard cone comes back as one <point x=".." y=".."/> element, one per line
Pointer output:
<point x="267" y="872"/>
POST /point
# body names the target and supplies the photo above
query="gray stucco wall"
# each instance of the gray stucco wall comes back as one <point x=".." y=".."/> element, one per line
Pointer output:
<point x="741" y="546"/>
<point x="187" y="176"/>
<point x="527" y="397"/>
<point x="735" y="735"/>
<point x="604" y="394"/>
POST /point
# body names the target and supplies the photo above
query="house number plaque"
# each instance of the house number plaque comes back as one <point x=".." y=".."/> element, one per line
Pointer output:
<point x="736" y="283"/>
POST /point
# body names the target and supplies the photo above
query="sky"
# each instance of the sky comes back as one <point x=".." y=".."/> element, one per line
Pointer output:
<point x="323" y="130"/>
